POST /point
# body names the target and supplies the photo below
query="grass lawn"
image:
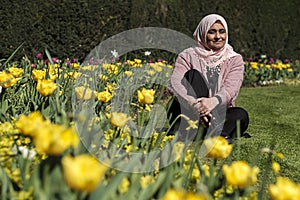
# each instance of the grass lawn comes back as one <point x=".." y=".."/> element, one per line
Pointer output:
<point x="275" y="124"/>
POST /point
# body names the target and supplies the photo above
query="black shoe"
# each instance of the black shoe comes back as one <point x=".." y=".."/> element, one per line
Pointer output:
<point x="246" y="135"/>
<point x="228" y="139"/>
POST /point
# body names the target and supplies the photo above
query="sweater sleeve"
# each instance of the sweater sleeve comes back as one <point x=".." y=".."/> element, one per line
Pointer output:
<point x="232" y="81"/>
<point x="182" y="65"/>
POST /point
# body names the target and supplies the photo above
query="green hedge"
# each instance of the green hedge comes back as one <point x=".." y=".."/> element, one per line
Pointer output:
<point x="73" y="28"/>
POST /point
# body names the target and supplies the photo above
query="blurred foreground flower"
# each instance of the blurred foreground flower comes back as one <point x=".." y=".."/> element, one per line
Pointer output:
<point x="240" y="174"/>
<point x="83" y="172"/>
<point x="284" y="189"/>
<point x="217" y="147"/>
<point x="48" y="138"/>
<point x="173" y="194"/>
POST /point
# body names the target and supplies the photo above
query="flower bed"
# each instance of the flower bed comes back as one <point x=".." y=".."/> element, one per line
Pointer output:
<point x="45" y="152"/>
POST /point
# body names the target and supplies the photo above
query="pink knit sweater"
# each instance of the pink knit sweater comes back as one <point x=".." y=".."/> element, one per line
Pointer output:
<point x="229" y="81"/>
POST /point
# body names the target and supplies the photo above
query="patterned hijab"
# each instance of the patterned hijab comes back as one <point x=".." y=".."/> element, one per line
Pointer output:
<point x="210" y="57"/>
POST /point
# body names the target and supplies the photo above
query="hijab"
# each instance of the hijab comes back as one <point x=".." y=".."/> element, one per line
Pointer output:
<point x="210" y="57"/>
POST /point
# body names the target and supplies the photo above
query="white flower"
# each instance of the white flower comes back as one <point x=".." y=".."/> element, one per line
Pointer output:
<point x="114" y="53"/>
<point x="147" y="53"/>
<point x="263" y="56"/>
<point x="27" y="153"/>
<point x="0" y="89"/>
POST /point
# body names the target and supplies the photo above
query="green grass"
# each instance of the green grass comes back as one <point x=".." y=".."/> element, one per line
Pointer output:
<point x="274" y="123"/>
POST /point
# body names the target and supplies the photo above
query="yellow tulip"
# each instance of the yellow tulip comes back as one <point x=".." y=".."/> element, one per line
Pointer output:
<point x="217" y="147"/>
<point x="145" y="181"/>
<point x="83" y="172"/>
<point x="104" y="96"/>
<point x="7" y="79"/>
<point x="240" y="174"/>
<point x="15" y="71"/>
<point x="173" y="194"/>
<point x="84" y="93"/>
<point x="146" y="96"/>
<point x="124" y="186"/>
<point x="46" y="87"/>
<point x="29" y="124"/>
<point x="119" y="119"/>
<point x="38" y="74"/>
<point x="284" y="189"/>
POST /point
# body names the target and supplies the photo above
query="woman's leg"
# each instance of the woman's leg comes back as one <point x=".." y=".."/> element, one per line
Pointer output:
<point x="196" y="87"/>
<point x="233" y="115"/>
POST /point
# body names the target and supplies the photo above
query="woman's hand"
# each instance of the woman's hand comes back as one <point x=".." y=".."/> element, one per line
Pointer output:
<point x="206" y="105"/>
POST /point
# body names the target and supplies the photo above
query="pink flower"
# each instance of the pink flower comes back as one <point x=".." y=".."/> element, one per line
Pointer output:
<point x="39" y="56"/>
<point x="55" y="60"/>
<point x="33" y="65"/>
<point x="68" y="62"/>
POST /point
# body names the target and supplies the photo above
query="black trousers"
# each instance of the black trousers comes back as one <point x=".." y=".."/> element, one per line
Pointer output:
<point x="197" y="87"/>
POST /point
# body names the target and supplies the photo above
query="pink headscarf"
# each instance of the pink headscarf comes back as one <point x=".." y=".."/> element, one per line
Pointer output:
<point x="212" y="58"/>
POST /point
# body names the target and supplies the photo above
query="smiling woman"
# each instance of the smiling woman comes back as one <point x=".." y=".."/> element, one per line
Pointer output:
<point x="206" y="81"/>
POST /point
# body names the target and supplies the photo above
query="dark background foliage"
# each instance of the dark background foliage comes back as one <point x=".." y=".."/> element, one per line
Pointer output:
<point x="71" y="29"/>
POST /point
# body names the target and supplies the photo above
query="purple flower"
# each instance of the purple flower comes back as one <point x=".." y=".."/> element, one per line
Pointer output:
<point x="160" y="60"/>
<point x="271" y="60"/>
<point x="39" y="56"/>
<point x="46" y="62"/>
<point x="68" y="62"/>
<point x="55" y="60"/>
<point x="286" y="60"/>
<point x="250" y="59"/>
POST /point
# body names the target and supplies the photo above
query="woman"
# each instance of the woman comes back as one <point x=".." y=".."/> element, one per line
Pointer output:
<point x="206" y="81"/>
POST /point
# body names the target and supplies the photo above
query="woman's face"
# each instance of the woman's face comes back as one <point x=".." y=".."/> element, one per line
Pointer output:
<point x="216" y="36"/>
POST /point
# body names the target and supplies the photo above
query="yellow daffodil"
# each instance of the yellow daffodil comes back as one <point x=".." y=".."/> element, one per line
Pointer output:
<point x="83" y="172"/>
<point x="119" y="119"/>
<point x="46" y="87"/>
<point x="284" y="189"/>
<point x="146" y="96"/>
<point x="217" y="147"/>
<point x="240" y="174"/>
<point x="192" y="124"/>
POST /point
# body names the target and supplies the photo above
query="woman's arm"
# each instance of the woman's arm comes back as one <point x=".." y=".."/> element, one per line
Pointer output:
<point x="182" y="65"/>
<point x="232" y="81"/>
